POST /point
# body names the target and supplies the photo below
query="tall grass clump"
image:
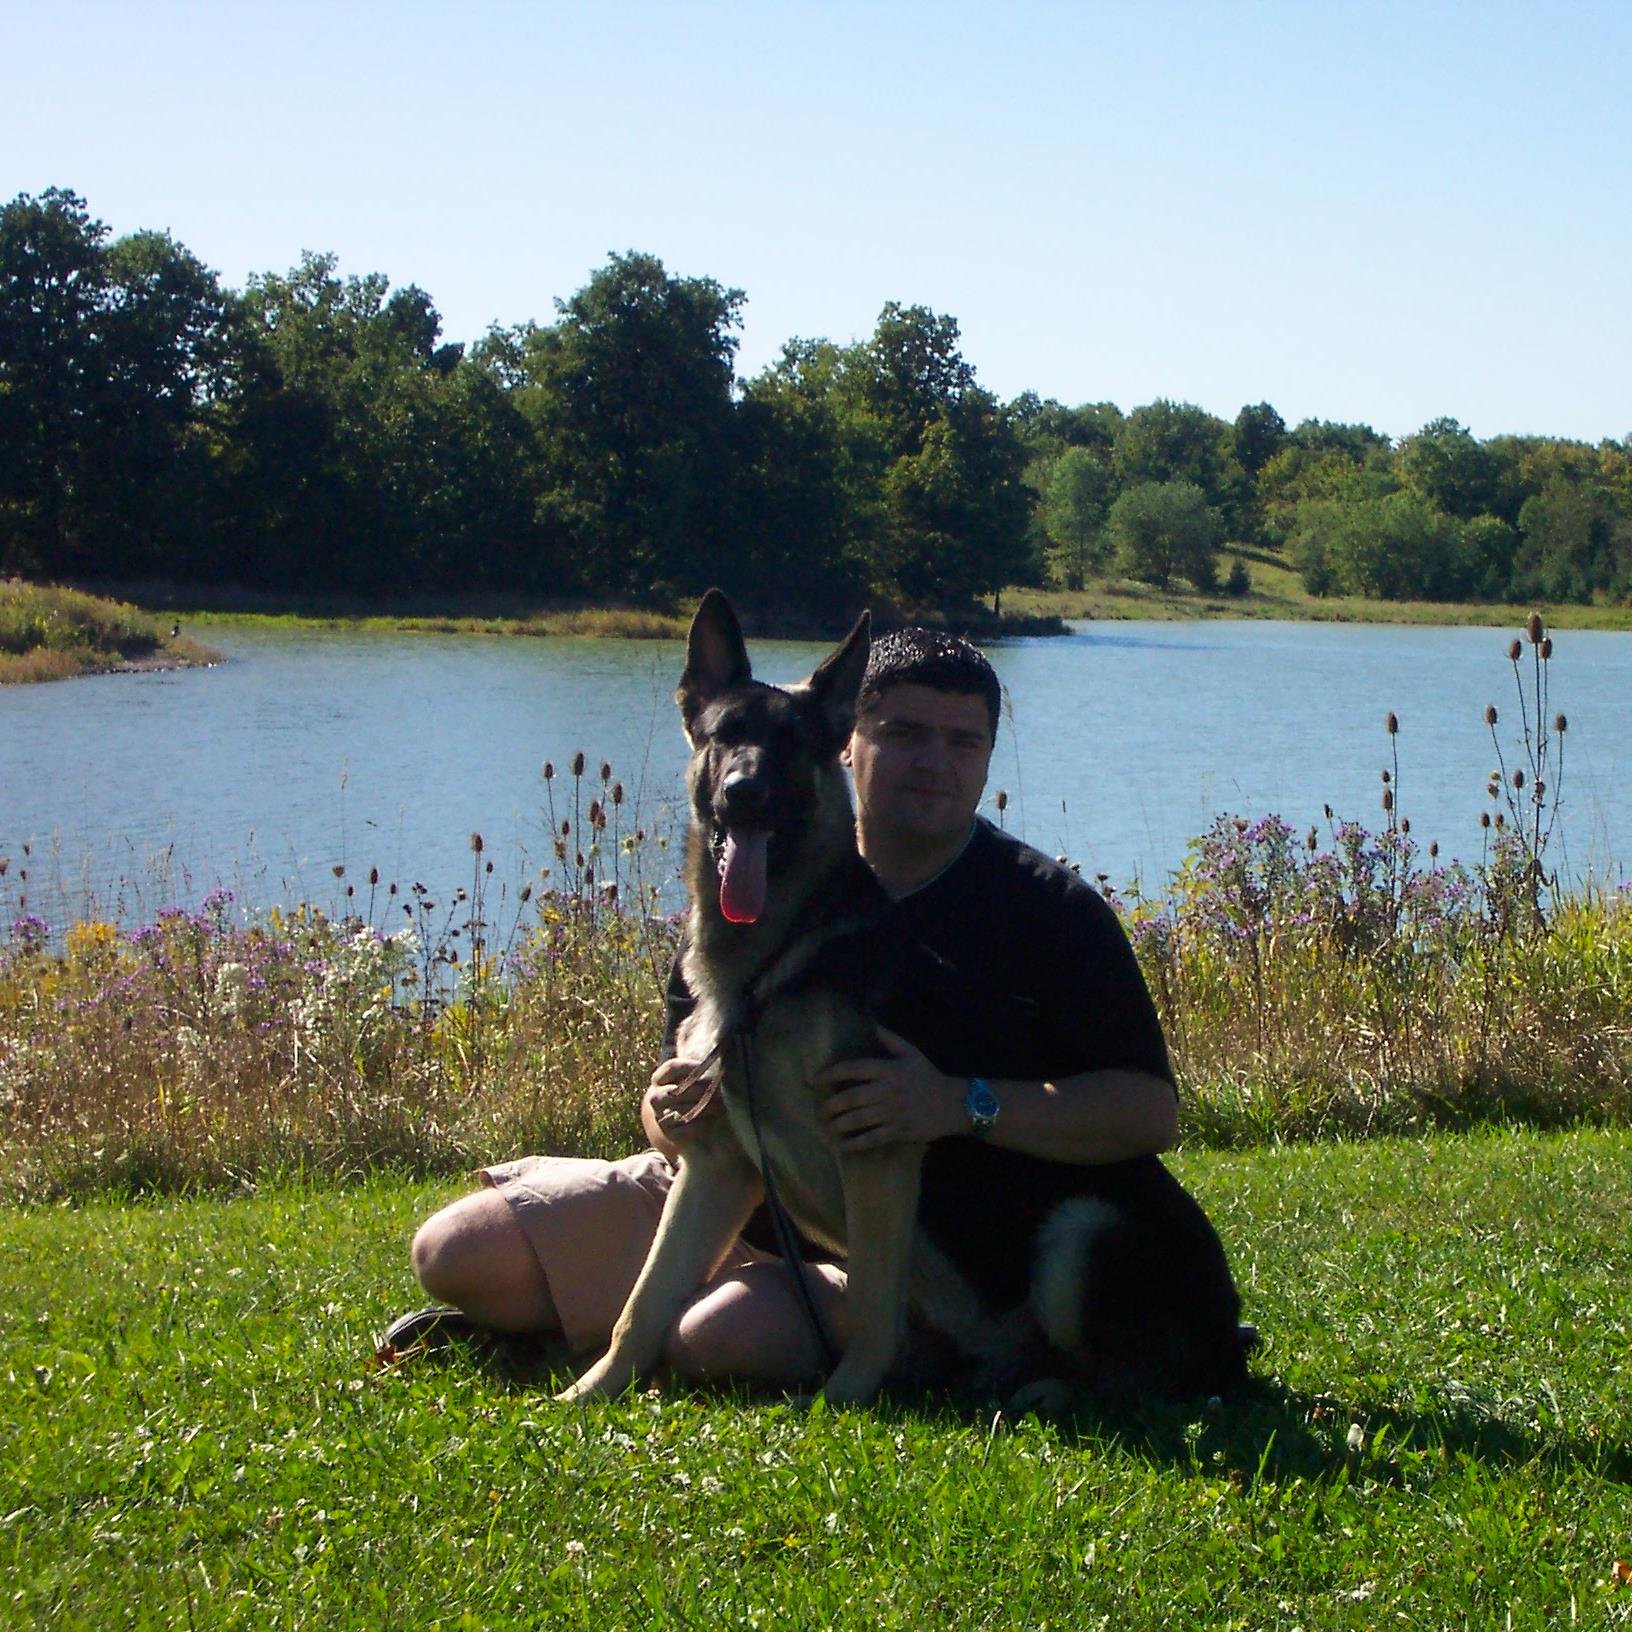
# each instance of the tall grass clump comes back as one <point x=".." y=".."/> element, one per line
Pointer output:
<point x="52" y="634"/>
<point x="1348" y="984"/>
<point x="205" y="1050"/>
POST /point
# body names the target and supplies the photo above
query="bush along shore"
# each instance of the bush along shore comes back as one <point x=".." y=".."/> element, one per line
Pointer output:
<point x="1337" y="984"/>
<point x="48" y="633"/>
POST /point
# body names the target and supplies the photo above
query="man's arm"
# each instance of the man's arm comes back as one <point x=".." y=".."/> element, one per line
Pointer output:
<point x="1090" y="1118"/>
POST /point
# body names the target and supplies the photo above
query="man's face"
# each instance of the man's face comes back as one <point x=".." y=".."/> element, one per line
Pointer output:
<point x="919" y="757"/>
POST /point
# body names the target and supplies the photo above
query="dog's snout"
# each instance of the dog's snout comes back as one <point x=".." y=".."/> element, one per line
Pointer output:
<point x="745" y="794"/>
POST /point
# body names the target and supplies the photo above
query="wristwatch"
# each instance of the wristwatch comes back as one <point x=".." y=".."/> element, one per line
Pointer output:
<point x="981" y="1104"/>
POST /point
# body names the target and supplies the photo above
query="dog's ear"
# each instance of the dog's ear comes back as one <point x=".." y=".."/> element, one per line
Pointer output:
<point x="716" y="658"/>
<point x="837" y="679"/>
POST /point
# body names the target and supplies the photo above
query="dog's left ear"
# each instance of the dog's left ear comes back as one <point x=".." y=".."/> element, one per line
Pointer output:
<point x="716" y="657"/>
<point x="837" y="679"/>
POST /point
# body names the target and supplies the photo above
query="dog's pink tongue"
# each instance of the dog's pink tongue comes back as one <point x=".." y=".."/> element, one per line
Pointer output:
<point x="742" y="876"/>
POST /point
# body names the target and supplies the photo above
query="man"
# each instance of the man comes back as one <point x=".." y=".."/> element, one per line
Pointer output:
<point x="1031" y="1028"/>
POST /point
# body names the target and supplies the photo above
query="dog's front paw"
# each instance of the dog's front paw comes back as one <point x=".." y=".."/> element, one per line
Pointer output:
<point x="850" y="1388"/>
<point x="602" y="1381"/>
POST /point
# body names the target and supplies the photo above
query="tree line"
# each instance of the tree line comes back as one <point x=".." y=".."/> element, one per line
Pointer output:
<point x="313" y="432"/>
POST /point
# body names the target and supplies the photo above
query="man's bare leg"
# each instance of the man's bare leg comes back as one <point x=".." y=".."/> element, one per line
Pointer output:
<point x="749" y="1327"/>
<point x="476" y="1256"/>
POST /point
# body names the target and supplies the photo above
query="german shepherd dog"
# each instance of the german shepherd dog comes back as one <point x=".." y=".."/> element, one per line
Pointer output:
<point x="788" y="958"/>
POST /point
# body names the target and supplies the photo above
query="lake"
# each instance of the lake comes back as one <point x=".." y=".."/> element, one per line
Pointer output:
<point x="312" y="749"/>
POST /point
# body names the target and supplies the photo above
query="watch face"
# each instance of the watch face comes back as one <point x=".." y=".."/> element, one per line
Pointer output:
<point x="981" y="1105"/>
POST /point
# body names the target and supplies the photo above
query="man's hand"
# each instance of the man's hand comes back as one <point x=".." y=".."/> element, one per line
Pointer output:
<point x="665" y="1113"/>
<point x="900" y="1099"/>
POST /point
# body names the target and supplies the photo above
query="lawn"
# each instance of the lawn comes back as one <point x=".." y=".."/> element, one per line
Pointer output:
<point x="1437" y="1434"/>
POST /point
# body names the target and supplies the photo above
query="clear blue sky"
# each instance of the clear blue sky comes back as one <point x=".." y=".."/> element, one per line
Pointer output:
<point x="1372" y="211"/>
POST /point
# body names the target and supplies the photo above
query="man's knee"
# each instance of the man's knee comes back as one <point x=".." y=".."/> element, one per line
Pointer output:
<point x="751" y="1329"/>
<point x="460" y="1247"/>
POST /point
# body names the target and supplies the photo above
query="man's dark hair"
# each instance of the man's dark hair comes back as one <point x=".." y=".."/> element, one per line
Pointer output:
<point x="928" y="657"/>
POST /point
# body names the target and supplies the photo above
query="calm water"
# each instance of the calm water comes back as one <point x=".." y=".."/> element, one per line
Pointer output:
<point x="311" y="749"/>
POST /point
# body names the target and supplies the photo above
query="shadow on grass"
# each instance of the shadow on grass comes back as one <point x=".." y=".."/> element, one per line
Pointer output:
<point x="1262" y="1433"/>
<point x="1267" y="1432"/>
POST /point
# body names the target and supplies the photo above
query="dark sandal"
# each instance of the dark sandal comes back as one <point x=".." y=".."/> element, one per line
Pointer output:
<point x="432" y="1328"/>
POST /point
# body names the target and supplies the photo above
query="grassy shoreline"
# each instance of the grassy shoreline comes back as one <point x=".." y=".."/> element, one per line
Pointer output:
<point x="50" y="633"/>
<point x="1276" y="593"/>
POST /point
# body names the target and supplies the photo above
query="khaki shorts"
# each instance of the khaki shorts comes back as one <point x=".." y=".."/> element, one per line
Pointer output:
<point x="590" y="1224"/>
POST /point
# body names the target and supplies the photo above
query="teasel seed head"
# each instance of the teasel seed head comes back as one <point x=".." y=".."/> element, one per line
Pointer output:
<point x="1514" y="647"/>
<point x="1393" y="724"/>
<point x="549" y="771"/>
<point x="1490" y="709"/>
<point x="1484" y="818"/>
<point x="1405" y="824"/>
<point x="1534" y="629"/>
<point x="393" y="889"/>
<point x="476" y="844"/>
<point x="1560" y="724"/>
<point x="488" y="869"/>
<point x="1388" y="799"/>
<point x="351" y="890"/>
<point x="1002" y="799"/>
<point x="1546" y="648"/>
<point x="606" y="770"/>
<point x="526" y="894"/>
<point x="1433" y="850"/>
<point x="1328" y="810"/>
<point x="1386" y="779"/>
<point x="1518" y="779"/>
<point x="373" y="876"/>
<point x="1501" y="820"/>
<point x="578" y="763"/>
<point x="617" y="795"/>
<point x="1541" y="788"/>
<point x="338" y="869"/>
<point x="1311" y="841"/>
<point x="566" y="828"/>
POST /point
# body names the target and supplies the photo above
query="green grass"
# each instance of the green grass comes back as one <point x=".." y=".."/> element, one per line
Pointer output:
<point x="193" y="1436"/>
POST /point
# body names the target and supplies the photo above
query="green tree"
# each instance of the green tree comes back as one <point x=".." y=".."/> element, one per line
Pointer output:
<point x="1577" y="542"/>
<point x="958" y="508"/>
<point x="1166" y="530"/>
<point x="53" y="291"/>
<point x="1397" y="547"/>
<point x="109" y="357"/>
<point x="913" y="372"/>
<point x="1076" y="498"/>
<point x="807" y="503"/>
<point x="632" y="389"/>
<point x="1450" y="468"/>
<point x="1179" y="442"/>
<point x="1259" y="433"/>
